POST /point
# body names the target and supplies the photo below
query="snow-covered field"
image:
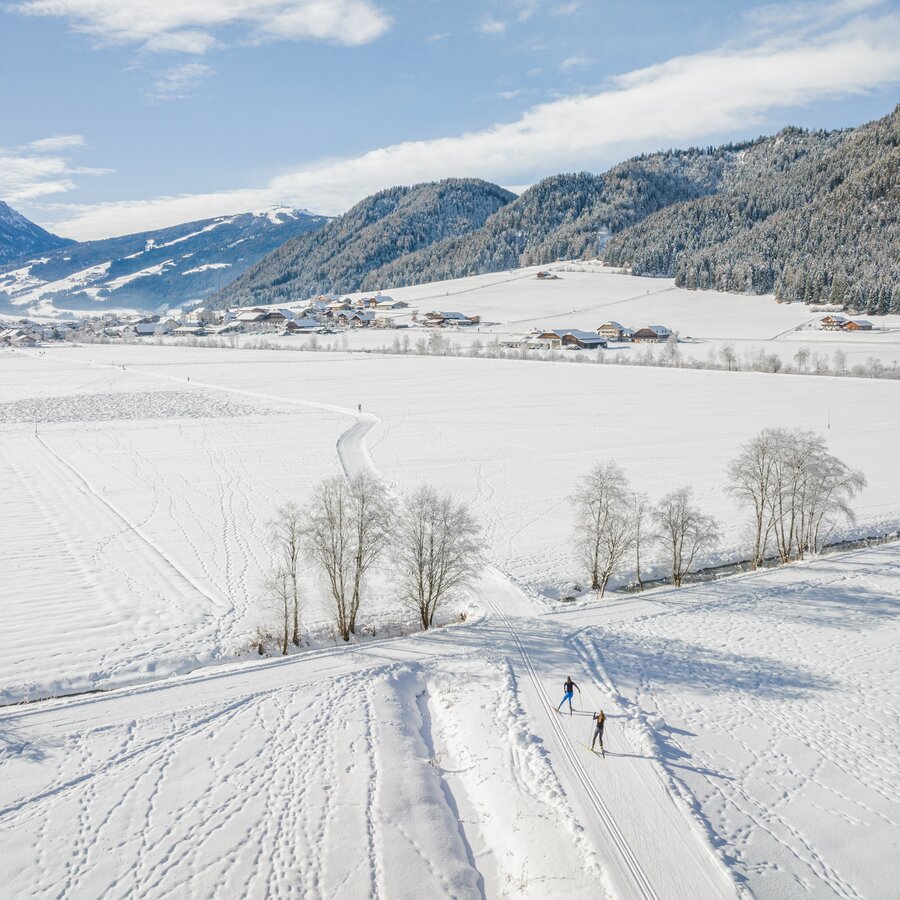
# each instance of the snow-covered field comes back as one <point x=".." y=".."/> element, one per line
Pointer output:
<point x="513" y="303"/>
<point x="139" y="480"/>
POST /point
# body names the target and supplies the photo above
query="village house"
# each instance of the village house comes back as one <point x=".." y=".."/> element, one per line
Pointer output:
<point x="615" y="331"/>
<point x="385" y="302"/>
<point x="856" y="325"/>
<point x="546" y="276"/>
<point x="356" y="319"/>
<point x="442" y="319"/>
<point x="150" y="328"/>
<point x="17" y="337"/>
<point x="833" y="322"/>
<point x="651" y="334"/>
<point x="575" y="338"/>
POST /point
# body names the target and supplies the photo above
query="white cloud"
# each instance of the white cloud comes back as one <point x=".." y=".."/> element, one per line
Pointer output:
<point x="180" y="82"/>
<point x="189" y="25"/>
<point x="492" y="26"/>
<point x="38" y="170"/>
<point x="681" y="101"/>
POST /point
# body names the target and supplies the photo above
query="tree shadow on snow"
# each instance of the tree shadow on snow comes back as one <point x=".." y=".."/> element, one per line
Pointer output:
<point x="704" y="669"/>
<point x="13" y="745"/>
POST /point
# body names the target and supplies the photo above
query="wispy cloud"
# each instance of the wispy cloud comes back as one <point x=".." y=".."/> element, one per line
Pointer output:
<point x="682" y="100"/>
<point x="191" y="26"/>
<point x="579" y="61"/>
<point x="180" y="82"/>
<point x="56" y="143"/>
<point x="39" y="169"/>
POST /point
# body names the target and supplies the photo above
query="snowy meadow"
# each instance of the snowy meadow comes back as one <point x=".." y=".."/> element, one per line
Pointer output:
<point x="141" y="481"/>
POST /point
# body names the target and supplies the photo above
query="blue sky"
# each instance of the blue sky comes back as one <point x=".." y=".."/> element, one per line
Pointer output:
<point x="121" y="115"/>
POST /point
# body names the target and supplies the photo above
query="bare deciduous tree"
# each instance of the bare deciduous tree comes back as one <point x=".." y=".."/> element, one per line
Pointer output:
<point x="751" y="479"/>
<point x="286" y="536"/>
<point x="348" y="529"/>
<point x="279" y="594"/>
<point x="437" y="551"/>
<point x="640" y="508"/>
<point x="604" y="525"/>
<point x="798" y="492"/>
<point x="683" y="531"/>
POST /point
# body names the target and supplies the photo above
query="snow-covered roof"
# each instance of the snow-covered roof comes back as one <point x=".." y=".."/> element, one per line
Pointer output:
<point x="586" y="336"/>
<point x="615" y="325"/>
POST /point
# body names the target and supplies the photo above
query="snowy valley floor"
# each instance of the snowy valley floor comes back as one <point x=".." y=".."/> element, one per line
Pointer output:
<point x="753" y="723"/>
<point x="757" y="716"/>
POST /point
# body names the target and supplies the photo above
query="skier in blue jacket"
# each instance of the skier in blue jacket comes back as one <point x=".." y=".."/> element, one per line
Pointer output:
<point x="569" y="689"/>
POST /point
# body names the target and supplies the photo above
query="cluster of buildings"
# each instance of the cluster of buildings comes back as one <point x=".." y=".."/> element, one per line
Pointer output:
<point x="836" y="322"/>
<point x="576" y="339"/>
<point x="325" y="314"/>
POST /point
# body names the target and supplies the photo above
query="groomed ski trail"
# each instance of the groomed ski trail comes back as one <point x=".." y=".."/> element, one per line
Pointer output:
<point x="664" y="856"/>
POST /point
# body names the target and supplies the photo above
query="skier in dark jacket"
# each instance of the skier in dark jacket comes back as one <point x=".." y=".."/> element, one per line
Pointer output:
<point x="569" y="689"/>
<point x="600" y="720"/>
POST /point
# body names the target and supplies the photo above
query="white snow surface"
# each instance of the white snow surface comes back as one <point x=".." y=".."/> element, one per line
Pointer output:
<point x="753" y="722"/>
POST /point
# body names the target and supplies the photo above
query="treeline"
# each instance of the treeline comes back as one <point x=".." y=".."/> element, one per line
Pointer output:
<point x="797" y="494"/>
<point x="808" y="216"/>
<point x="432" y="543"/>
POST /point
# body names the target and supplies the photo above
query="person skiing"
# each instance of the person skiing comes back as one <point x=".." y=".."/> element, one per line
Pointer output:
<point x="569" y="689"/>
<point x="359" y="407"/>
<point x="599" y="719"/>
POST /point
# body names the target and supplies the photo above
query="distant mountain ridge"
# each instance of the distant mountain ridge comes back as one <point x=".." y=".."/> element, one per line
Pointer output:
<point x="809" y="215"/>
<point x="21" y="238"/>
<point x="563" y="215"/>
<point x="390" y="224"/>
<point x="169" y="267"/>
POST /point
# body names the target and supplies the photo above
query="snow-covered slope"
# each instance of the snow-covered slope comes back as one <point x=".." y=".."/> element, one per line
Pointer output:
<point x="20" y="238"/>
<point x="171" y="267"/>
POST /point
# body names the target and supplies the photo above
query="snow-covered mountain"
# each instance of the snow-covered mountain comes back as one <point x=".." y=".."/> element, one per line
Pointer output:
<point x="171" y="267"/>
<point x="21" y="238"/>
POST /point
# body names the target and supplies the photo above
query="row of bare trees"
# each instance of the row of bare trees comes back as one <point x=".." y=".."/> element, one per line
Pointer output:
<point x="351" y="526"/>
<point x="797" y="491"/>
<point x="614" y="524"/>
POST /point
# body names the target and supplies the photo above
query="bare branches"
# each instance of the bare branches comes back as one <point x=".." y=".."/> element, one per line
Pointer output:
<point x="348" y="529"/>
<point x="797" y="491"/>
<point x="437" y="551"/>
<point x="605" y="528"/>
<point x="683" y="531"/>
<point x="286" y="538"/>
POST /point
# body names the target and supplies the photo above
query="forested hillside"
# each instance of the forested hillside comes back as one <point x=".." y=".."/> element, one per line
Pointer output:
<point x="387" y="225"/>
<point x="810" y="216"/>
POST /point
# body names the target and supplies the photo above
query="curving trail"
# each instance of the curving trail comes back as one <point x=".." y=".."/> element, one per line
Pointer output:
<point x="649" y="845"/>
